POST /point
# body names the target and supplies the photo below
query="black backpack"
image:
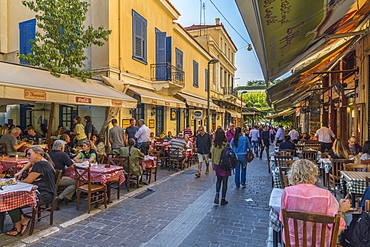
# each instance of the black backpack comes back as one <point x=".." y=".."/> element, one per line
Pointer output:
<point x="228" y="159"/>
<point x="357" y="233"/>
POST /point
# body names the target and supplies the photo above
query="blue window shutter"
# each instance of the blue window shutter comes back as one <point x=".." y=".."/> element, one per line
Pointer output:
<point x="27" y="32"/>
<point x="169" y="57"/>
<point x="195" y="74"/>
<point x="206" y="76"/>
<point x="139" y="25"/>
<point x="179" y="59"/>
<point x="161" y="68"/>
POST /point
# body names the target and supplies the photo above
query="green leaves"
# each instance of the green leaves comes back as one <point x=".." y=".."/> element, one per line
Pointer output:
<point x="60" y="46"/>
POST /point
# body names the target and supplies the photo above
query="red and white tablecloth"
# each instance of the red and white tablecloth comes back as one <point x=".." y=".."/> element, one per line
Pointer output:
<point x="147" y="163"/>
<point x="101" y="174"/>
<point x="10" y="162"/>
<point x="16" y="199"/>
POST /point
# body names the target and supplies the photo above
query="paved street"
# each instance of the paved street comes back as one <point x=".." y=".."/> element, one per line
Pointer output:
<point x="179" y="213"/>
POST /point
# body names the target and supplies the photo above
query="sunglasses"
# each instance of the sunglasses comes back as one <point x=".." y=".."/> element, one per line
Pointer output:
<point x="28" y="154"/>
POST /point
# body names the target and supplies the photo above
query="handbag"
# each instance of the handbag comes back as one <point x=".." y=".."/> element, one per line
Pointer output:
<point x="250" y="156"/>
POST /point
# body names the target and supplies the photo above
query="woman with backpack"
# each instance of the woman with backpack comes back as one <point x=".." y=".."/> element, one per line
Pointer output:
<point x="222" y="175"/>
<point x="240" y="145"/>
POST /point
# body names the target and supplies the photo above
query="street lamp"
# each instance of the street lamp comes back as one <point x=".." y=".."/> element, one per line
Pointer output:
<point x="212" y="61"/>
<point x="241" y="108"/>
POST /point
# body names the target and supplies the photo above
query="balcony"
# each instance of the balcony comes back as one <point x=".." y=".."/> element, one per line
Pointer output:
<point x="230" y="91"/>
<point x="167" y="75"/>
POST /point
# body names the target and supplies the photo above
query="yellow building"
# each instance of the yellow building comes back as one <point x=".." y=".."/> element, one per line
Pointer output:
<point x="219" y="44"/>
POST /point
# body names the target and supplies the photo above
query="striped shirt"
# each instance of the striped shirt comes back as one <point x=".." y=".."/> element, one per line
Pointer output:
<point x="178" y="143"/>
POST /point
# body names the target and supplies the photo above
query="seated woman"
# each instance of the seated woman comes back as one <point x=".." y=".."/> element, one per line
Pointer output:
<point x="135" y="154"/>
<point x="42" y="175"/>
<point x="304" y="196"/>
<point x="338" y="150"/>
<point x="365" y="151"/>
<point x="189" y="143"/>
<point x="87" y="154"/>
<point x="287" y="144"/>
<point x="98" y="144"/>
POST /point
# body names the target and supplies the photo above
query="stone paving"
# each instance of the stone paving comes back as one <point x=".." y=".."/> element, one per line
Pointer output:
<point x="180" y="212"/>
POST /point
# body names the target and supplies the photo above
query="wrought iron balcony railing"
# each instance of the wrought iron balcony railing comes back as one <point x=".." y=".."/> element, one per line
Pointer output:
<point x="230" y="91"/>
<point x="168" y="72"/>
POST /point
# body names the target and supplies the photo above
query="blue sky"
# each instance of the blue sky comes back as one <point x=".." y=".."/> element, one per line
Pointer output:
<point x="246" y="61"/>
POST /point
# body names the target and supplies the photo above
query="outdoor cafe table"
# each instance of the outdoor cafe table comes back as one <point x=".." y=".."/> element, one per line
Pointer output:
<point x="9" y="162"/>
<point x="15" y="196"/>
<point x="147" y="162"/>
<point x="355" y="182"/>
<point x="275" y="204"/>
<point x="27" y="146"/>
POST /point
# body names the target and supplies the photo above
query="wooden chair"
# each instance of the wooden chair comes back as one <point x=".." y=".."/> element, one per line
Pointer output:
<point x="315" y="220"/>
<point x="283" y="174"/>
<point x="150" y="171"/>
<point x="3" y="149"/>
<point x="356" y="167"/>
<point x="162" y="155"/>
<point x="310" y="155"/>
<point x="102" y="159"/>
<point x="365" y="161"/>
<point x="37" y="213"/>
<point x="334" y="176"/>
<point x="95" y="192"/>
<point x="174" y="158"/>
<point x="114" y="184"/>
<point x="280" y="160"/>
<point x="124" y="161"/>
<point x="289" y="152"/>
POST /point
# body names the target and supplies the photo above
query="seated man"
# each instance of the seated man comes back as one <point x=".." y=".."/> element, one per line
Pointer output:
<point x="135" y="154"/>
<point x="67" y="148"/>
<point x="61" y="160"/>
<point x="10" y="139"/>
<point x="352" y="147"/>
<point x="287" y="144"/>
<point x="32" y="135"/>
<point x="179" y="143"/>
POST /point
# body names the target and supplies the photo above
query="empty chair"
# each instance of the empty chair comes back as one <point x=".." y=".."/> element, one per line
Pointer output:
<point x="283" y="173"/>
<point x="356" y="167"/>
<point x="334" y="176"/>
<point x="313" y="227"/>
<point x="280" y="160"/>
<point x="309" y="155"/>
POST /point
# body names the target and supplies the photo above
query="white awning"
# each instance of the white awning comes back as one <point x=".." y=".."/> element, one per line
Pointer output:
<point x="199" y="102"/>
<point x="233" y="113"/>
<point x="18" y="82"/>
<point x="150" y="97"/>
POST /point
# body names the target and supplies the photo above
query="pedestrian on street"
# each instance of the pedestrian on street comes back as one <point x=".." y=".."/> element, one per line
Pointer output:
<point x="116" y="137"/>
<point x="254" y="134"/>
<point x="265" y="142"/>
<point x="230" y="133"/>
<point x="222" y="175"/>
<point x="272" y="134"/>
<point x="240" y="145"/>
<point x="325" y="135"/>
<point x="131" y="131"/>
<point x="143" y="137"/>
<point x="203" y="144"/>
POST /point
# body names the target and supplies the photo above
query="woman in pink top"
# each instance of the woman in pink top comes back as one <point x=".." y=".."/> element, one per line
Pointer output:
<point x="304" y="196"/>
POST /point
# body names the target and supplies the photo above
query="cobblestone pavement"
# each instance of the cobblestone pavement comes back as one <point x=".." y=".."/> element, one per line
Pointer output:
<point x="180" y="212"/>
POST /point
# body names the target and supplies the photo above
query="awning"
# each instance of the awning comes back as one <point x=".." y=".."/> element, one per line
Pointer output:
<point x="286" y="32"/>
<point x="199" y="102"/>
<point x="19" y="82"/>
<point x="233" y="113"/>
<point x="282" y="113"/>
<point x="302" y="80"/>
<point x="150" y="97"/>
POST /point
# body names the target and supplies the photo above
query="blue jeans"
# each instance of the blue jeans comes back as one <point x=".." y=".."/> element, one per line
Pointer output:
<point x="242" y="179"/>
<point x="255" y="145"/>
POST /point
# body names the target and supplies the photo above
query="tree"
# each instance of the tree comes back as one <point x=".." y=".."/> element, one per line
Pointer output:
<point x="60" y="46"/>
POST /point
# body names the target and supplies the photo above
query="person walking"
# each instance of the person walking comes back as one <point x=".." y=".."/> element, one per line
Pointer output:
<point x="143" y="137"/>
<point x="230" y="133"/>
<point x="203" y="144"/>
<point x="272" y="134"/>
<point x="265" y="142"/>
<point x="254" y="134"/>
<point x="240" y="145"/>
<point x="324" y="135"/>
<point x="116" y="137"/>
<point x="222" y="175"/>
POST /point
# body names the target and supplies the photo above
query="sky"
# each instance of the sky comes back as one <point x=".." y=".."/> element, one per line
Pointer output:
<point x="247" y="64"/>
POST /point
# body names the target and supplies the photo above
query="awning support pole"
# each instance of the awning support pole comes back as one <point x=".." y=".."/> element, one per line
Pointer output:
<point x="50" y="125"/>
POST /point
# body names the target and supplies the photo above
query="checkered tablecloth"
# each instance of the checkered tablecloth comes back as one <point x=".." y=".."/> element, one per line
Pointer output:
<point x="12" y="200"/>
<point x="146" y="163"/>
<point x="275" y="204"/>
<point x="7" y="163"/>
<point x="101" y="176"/>
<point x="355" y="181"/>
<point x="275" y="223"/>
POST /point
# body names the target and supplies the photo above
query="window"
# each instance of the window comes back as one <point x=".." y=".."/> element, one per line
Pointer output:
<point x="138" y="113"/>
<point x="206" y="77"/>
<point x="139" y="25"/>
<point x="27" y="32"/>
<point x="221" y="42"/>
<point x="163" y="56"/>
<point x="179" y="64"/>
<point x="25" y="115"/>
<point x="67" y="114"/>
<point x="195" y="74"/>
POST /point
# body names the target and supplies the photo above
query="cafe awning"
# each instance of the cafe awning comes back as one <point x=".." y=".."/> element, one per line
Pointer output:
<point x="23" y="83"/>
<point x="233" y="113"/>
<point x="198" y="102"/>
<point x="284" y="113"/>
<point x="150" y="97"/>
<point x="284" y="33"/>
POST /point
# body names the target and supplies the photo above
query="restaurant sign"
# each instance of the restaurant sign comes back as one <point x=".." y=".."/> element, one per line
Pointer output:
<point x="33" y="94"/>
<point x="116" y="103"/>
<point x="198" y="114"/>
<point x="83" y="100"/>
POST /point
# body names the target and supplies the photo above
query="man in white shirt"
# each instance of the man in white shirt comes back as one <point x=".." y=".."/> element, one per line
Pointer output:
<point x="279" y="134"/>
<point x="324" y="135"/>
<point x="254" y="134"/>
<point x="294" y="135"/>
<point x="143" y="137"/>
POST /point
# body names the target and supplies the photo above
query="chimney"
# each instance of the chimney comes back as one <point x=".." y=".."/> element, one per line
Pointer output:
<point x="217" y="21"/>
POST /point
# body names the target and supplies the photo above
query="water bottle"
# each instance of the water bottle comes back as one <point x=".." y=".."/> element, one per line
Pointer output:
<point x="150" y="189"/>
